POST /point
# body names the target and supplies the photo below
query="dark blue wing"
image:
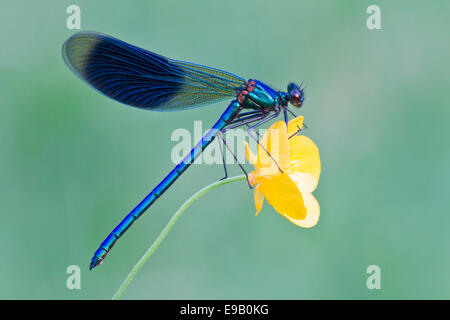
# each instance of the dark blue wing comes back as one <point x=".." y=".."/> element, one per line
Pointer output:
<point x="143" y="79"/>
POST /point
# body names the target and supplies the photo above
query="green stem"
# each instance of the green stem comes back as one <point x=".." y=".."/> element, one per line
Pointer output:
<point x="166" y="230"/>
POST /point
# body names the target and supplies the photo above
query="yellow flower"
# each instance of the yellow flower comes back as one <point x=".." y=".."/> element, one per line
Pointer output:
<point x="289" y="190"/>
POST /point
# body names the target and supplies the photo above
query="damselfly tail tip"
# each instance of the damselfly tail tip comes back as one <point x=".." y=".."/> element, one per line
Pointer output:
<point x="95" y="262"/>
<point x="92" y="265"/>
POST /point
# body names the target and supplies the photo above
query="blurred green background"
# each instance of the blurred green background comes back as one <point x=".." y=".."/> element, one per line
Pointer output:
<point x="73" y="162"/>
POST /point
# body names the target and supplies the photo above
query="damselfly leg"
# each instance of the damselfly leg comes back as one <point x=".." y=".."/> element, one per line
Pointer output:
<point x="221" y="140"/>
<point x="220" y="137"/>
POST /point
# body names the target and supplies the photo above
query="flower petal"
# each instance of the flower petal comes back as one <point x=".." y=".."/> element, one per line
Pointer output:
<point x="294" y="125"/>
<point x="259" y="199"/>
<point x="312" y="212"/>
<point x="288" y="190"/>
<point x="283" y="194"/>
<point x="249" y="154"/>
<point x="252" y="178"/>
<point x="304" y="163"/>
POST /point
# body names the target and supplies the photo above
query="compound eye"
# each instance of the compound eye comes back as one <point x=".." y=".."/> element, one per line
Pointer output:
<point x="295" y="98"/>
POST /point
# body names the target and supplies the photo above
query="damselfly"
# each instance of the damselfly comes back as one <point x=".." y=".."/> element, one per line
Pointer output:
<point x="146" y="80"/>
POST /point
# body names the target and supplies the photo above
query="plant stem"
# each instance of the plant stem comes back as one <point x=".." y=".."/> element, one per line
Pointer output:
<point x="166" y="230"/>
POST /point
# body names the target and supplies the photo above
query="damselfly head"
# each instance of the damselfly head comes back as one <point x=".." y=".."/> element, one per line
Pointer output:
<point x="296" y="96"/>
